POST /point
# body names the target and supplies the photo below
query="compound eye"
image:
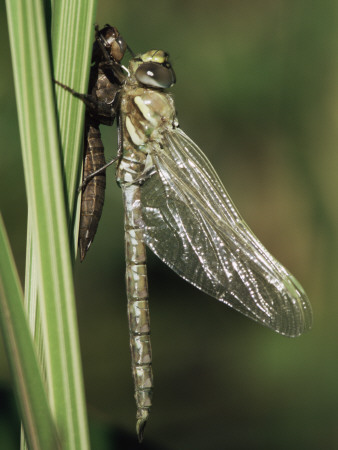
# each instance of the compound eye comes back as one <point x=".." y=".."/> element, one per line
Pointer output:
<point x="118" y="48"/>
<point x="155" y="75"/>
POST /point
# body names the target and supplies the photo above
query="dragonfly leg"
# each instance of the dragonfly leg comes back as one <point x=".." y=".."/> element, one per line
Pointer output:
<point x="94" y="106"/>
<point x="148" y="173"/>
<point x="119" y="138"/>
<point x="96" y="172"/>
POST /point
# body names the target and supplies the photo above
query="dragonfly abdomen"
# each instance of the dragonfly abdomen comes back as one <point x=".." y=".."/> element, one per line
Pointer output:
<point x="138" y="308"/>
<point x="93" y="194"/>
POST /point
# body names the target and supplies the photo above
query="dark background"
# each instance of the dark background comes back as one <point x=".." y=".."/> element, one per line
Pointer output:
<point x="257" y="90"/>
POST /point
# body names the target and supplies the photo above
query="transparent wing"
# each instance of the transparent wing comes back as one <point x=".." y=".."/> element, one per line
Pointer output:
<point x="192" y="225"/>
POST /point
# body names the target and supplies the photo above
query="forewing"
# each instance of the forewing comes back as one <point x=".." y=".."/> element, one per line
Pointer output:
<point x="191" y="224"/>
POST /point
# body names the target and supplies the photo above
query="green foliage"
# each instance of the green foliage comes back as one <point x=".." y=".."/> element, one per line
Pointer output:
<point x="51" y="138"/>
<point x="31" y="397"/>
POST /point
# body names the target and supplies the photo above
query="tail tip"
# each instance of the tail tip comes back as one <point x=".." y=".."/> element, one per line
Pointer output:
<point x="142" y="418"/>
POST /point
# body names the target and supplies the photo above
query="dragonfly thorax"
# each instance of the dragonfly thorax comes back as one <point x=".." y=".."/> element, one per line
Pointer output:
<point x="146" y="114"/>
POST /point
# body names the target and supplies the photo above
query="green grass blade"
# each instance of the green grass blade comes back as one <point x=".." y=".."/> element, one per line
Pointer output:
<point x="72" y="39"/>
<point x="49" y="211"/>
<point x="38" y="423"/>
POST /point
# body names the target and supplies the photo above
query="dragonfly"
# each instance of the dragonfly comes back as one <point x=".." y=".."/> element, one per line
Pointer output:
<point x="176" y="205"/>
<point x="105" y="81"/>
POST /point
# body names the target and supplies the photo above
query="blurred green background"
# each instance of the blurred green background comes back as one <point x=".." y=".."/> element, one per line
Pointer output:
<point x="257" y="90"/>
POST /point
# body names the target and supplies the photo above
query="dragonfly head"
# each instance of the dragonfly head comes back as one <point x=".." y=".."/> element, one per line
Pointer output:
<point x="153" y="69"/>
<point x="110" y="39"/>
